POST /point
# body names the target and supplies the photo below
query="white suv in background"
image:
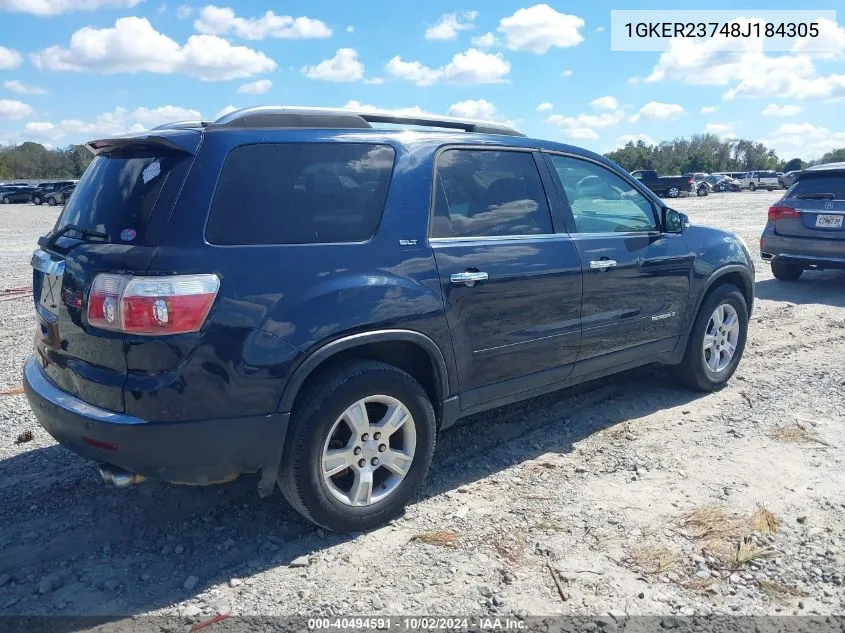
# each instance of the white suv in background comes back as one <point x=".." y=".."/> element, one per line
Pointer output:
<point x="766" y="179"/>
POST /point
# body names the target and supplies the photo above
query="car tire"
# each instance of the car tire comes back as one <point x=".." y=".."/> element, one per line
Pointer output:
<point x="751" y="186"/>
<point x="697" y="370"/>
<point x="7" y="200"/>
<point x="702" y="191"/>
<point x="673" y="192"/>
<point x="37" y="200"/>
<point x="786" y="272"/>
<point x="51" y="201"/>
<point x="324" y="416"/>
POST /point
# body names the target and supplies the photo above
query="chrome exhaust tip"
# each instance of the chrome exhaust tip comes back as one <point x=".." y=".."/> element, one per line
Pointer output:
<point x="119" y="478"/>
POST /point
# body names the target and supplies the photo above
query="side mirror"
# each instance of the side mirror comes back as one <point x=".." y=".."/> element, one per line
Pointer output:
<point x="674" y="221"/>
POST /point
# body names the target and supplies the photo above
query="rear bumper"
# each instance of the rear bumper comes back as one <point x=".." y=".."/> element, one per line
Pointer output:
<point x="803" y="251"/>
<point x="200" y="452"/>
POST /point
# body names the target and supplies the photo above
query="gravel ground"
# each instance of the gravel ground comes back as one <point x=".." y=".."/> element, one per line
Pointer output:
<point x="627" y="496"/>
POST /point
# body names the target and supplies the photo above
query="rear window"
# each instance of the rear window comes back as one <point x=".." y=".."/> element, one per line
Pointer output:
<point x="300" y="193"/>
<point x="821" y="184"/>
<point x="117" y="195"/>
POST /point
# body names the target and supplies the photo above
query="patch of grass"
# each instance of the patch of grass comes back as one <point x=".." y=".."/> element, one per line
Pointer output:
<point x="655" y="559"/>
<point x="779" y="593"/>
<point x="549" y="526"/>
<point x="748" y="550"/>
<point x="795" y="434"/>
<point x="13" y="391"/>
<point x="711" y="522"/>
<point x="698" y="584"/>
<point x="510" y="547"/>
<point x="440" y="538"/>
<point x="764" y="521"/>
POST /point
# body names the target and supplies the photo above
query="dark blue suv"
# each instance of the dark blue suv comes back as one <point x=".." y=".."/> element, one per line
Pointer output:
<point x="296" y="292"/>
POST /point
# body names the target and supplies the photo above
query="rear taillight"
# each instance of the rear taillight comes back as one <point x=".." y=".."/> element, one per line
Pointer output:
<point x="782" y="213"/>
<point x="172" y="304"/>
<point x="691" y="181"/>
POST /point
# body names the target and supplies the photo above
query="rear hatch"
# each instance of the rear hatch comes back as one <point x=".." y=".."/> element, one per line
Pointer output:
<point x="112" y="223"/>
<point x="818" y="201"/>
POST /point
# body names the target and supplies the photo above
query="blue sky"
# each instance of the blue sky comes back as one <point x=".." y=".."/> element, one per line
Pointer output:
<point x="71" y="70"/>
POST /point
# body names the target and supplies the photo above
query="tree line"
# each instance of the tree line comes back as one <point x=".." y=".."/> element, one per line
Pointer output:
<point x="34" y="161"/>
<point x="701" y="152"/>
<point x="708" y="153"/>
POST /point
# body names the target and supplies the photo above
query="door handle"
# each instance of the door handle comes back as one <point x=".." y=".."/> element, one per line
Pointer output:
<point x="602" y="264"/>
<point x="469" y="278"/>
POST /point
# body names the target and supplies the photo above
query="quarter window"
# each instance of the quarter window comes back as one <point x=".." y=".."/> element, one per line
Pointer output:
<point x="482" y="193"/>
<point x="601" y="201"/>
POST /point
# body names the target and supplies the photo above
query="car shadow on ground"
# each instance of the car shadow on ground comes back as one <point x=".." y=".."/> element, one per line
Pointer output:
<point x="73" y="546"/>
<point x="815" y="286"/>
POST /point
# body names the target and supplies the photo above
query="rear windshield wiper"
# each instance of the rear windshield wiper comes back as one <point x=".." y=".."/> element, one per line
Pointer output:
<point x="816" y="196"/>
<point x="50" y="239"/>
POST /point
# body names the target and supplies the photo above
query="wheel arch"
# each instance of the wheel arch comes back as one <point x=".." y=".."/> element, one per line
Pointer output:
<point x="735" y="274"/>
<point x="406" y="349"/>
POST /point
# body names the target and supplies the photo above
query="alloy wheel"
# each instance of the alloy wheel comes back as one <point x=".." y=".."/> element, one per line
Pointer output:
<point x="721" y="338"/>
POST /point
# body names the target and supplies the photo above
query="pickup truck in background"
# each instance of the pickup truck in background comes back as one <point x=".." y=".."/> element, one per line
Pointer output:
<point x="664" y="186"/>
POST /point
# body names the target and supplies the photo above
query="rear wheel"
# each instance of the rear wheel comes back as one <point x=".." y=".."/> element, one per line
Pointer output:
<point x="716" y="341"/>
<point x="37" y="200"/>
<point x="51" y="201"/>
<point x="359" y="446"/>
<point x="786" y="272"/>
<point x="752" y="187"/>
<point x="7" y="200"/>
<point x="673" y="192"/>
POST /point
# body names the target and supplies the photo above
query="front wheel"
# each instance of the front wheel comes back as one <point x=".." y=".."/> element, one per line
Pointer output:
<point x="716" y="341"/>
<point x="752" y="187"/>
<point x="786" y="272"/>
<point x="360" y="444"/>
<point x="37" y="200"/>
<point x="702" y="191"/>
<point x="51" y="201"/>
<point x="673" y="192"/>
<point x="7" y="200"/>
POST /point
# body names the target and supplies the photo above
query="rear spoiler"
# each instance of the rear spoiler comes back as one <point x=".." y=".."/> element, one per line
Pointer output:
<point x="179" y="140"/>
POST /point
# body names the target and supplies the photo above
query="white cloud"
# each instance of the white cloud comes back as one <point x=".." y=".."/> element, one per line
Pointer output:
<point x="598" y="29"/>
<point x="55" y="7"/>
<point x="213" y="20"/>
<point x="350" y="29"/>
<point x="133" y="46"/>
<point x="781" y="110"/>
<point x="256" y="87"/>
<point x="721" y="129"/>
<point x="410" y="110"/>
<point x="23" y="89"/>
<point x="469" y="67"/>
<point x="605" y="103"/>
<point x="473" y="109"/>
<point x="226" y="110"/>
<point x="488" y="40"/>
<point x="344" y="66"/>
<point x="583" y="126"/>
<point x="546" y="105"/>
<point x="804" y="139"/>
<point x="746" y="73"/>
<point x="830" y="42"/>
<point x="11" y="109"/>
<point x="450" y="24"/>
<point x="709" y="109"/>
<point x="634" y="138"/>
<point x="118" y="121"/>
<point x="9" y="58"/>
<point x="566" y="73"/>
<point x="183" y="11"/>
<point x="537" y="29"/>
<point x="374" y="81"/>
<point x="659" y="111"/>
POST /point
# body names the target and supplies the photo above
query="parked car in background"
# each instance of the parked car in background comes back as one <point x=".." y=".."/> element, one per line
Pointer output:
<point x="664" y="186"/>
<point x="16" y="193"/>
<point x="788" y="179"/>
<point x="179" y="345"/>
<point x="59" y="196"/>
<point x="700" y="185"/>
<point x="41" y="192"/>
<point x="722" y="183"/>
<point x="765" y="179"/>
<point x="805" y="228"/>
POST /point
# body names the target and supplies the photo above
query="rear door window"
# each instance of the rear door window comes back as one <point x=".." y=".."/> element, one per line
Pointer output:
<point x="118" y="193"/>
<point x="300" y="193"/>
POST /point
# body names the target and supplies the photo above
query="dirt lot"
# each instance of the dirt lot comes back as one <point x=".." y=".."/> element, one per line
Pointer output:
<point x="628" y="496"/>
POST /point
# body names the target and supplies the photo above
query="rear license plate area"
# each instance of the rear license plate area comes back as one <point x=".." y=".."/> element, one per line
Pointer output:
<point x="829" y="221"/>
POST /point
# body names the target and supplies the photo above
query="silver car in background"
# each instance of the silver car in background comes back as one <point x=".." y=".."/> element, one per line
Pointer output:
<point x="806" y="228"/>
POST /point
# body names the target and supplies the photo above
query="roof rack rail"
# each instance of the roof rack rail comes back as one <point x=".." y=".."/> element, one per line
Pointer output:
<point x="180" y="125"/>
<point x="313" y="117"/>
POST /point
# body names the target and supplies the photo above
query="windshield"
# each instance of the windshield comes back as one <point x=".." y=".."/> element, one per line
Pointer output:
<point x="117" y="195"/>
<point x="823" y="184"/>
